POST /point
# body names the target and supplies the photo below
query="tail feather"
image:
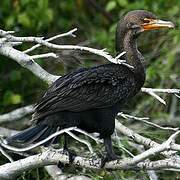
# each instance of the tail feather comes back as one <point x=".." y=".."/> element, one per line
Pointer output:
<point x="33" y="134"/>
<point x="36" y="137"/>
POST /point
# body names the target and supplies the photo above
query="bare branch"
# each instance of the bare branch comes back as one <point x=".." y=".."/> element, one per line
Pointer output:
<point x="27" y="62"/>
<point x="153" y="92"/>
<point x="127" y="116"/>
<point x="143" y="119"/>
<point x="157" y="149"/>
<point x="157" y="97"/>
<point x="81" y="140"/>
<point x="6" y="155"/>
<point x="39" y="40"/>
<point x="89" y="135"/>
<point x="7" y="132"/>
<point x="47" y="55"/>
<point x="69" y="33"/>
<point x="4" y="33"/>
<point x="4" y="144"/>
<point x="139" y="139"/>
<point x="16" y="114"/>
<point x="140" y="148"/>
<point x="52" y="156"/>
<point x="57" y="174"/>
<point x="169" y="91"/>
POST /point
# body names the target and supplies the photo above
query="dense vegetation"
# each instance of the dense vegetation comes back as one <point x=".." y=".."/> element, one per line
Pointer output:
<point x="96" y="23"/>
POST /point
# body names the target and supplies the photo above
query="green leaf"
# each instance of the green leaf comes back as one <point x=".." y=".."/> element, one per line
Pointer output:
<point x="122" y="3"/>
<point x="110" y="5"/>
<point x="49" y="13"/>
<point x="10" y="21"/>
<point x="16" y="99"/>
<point x="24" y="20"/>
<point x="11" y="98"/>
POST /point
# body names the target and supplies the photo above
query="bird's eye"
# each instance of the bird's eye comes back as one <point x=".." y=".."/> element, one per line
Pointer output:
<point x="146" y="20"/>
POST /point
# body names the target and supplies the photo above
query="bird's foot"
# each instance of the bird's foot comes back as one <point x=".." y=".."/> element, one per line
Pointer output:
<point x="109" y="157"/>
<point x="71" y="154"/>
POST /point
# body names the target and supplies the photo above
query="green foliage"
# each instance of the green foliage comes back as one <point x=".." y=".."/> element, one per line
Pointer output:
<point x="110" y="6"/>
<point x="11" y="98"/>
<point x="19" y="87"/>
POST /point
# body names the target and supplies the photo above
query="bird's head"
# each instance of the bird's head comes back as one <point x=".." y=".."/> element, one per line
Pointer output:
<point x="141" y="20"/>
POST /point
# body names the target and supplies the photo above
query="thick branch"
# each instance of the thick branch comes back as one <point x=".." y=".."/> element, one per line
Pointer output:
<point x="57" y="174"/>
<point x="17" y="114"/>
<point x="27" y="62"/>
<point x="50" y="157"/>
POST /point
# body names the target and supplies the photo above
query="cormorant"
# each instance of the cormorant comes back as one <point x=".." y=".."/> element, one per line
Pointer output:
<point x="90" y="98"/>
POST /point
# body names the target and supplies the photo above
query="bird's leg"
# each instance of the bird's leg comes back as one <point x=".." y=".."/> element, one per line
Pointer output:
<point x="71" y="154"/>
<point x="109" y="150"/>
<point x="67" y="151"/>
<point x="65" y="148"/>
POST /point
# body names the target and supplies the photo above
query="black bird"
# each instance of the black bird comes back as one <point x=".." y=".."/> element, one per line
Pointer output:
<point x="90" y="98"/>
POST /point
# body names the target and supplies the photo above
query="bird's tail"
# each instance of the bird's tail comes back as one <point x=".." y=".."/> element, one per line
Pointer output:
<point x="33" y="134"/>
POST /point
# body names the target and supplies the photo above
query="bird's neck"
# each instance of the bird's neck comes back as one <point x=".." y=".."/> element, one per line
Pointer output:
<point x="126" y="41"/>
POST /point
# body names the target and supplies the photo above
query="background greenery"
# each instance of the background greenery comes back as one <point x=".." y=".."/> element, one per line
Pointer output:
<point x="96" y="22"/>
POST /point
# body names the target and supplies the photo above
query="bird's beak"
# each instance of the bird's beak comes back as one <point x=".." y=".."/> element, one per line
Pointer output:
<point x="157" y="24"/>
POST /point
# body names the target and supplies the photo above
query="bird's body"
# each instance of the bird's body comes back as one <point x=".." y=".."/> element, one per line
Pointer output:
<point x="88" y="98"/>
<point x="91" y="98"/>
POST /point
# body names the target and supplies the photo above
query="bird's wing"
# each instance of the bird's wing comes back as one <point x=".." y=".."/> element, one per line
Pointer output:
<point x="85" y="89"/>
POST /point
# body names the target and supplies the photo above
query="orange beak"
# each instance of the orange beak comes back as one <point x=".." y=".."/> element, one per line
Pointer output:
<point x="157" y="24"/>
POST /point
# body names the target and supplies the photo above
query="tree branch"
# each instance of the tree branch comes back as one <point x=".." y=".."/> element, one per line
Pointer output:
<point x="138" y="138"/>
<point x="153" y="92"/>
<point x="17" y="114"/>
<point x="144" y="120"/>
<point x="27" y="62"/>
<point x="53" y="156"/>
<point x="69" y="33"/>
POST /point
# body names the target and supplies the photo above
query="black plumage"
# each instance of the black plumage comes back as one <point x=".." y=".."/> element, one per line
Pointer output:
<point x="90" y="98"/>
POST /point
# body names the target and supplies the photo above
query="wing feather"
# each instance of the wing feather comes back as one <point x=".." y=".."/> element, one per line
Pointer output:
<point x="85" y="89"/>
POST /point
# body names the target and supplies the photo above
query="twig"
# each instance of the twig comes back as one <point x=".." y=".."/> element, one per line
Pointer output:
<point x="6" y="155"/>
<point x="47" y="55"/>
<point x="81" y="140"/>
<point x="121" y="146"/>
<point x="157" y="97"/>
<point x="139" y="139"/>
<point x="169" y="91"/>
<point x="41" y="41"/>
<point x="157" y="149"/>
<point x="140" y="148"/>
<point x="89" y="135"/>
<point x="69" y="33"/>
<point x="4" y="144"/>
<point x="126" y="116"/>
<point x="153" y="92"/>
<point x="57" y="174"/>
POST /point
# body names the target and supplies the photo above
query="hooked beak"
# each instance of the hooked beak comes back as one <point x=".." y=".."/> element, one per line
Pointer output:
<point x="157" y="24"/>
